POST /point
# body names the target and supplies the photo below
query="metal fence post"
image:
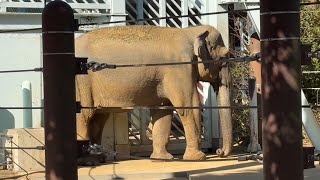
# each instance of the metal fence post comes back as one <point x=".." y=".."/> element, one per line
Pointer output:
<point x="118" y="11"/>
<point x="254" y="145"/>
<point x="59" y="69"/>
<point x="184" y="11"/>
<point x="139" y="9"/>
<point x="281" y="84"/>
<point x="163" y="12"/>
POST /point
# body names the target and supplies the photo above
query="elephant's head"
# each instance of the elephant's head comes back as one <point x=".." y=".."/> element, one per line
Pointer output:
<point x="208" y="45"/>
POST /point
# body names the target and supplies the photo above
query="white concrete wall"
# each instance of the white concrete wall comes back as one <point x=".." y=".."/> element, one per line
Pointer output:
<point x="19" y="51"/>
<point x="25" y="159"/>
<point x="23" y="51"/>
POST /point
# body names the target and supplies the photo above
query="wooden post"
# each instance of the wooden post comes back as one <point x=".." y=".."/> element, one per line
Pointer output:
<point x="59" y="69"/>
<point x="107" y="137"/>
<point x="281" y="85"/>
<point x="121" y="135"/>
<point x="115" y="135"/>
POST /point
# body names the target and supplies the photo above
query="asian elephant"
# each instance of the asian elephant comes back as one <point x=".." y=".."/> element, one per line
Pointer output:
<point x="174" y="85"/>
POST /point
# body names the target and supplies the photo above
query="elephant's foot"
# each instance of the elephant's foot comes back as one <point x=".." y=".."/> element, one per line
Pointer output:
<point x="193" y="154"/>
<point x="222" y="152"/>
<point x="254" y="147"/>
<point x="161" y="155"/>
<point x="91" y="160"/>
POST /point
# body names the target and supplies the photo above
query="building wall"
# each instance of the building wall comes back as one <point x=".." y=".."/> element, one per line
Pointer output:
<point x="19" y="51"/>
<point x="23" y="51"/>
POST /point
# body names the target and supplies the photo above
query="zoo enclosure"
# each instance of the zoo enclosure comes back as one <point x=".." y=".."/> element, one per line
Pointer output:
<point x="95" y="12"/>
<point x="21" y="8"/>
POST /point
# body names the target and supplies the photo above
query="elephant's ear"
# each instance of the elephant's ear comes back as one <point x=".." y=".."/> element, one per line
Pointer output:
<point x="200" y="47"/>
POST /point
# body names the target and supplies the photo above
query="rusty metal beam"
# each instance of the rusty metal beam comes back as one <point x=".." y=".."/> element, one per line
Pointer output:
<point x="281" y="84"/>
<point x="59" y="91"/>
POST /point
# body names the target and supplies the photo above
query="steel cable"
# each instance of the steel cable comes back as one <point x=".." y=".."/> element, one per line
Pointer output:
<point x="19" y="30"/>
<point x="23" y="70"/>
<point x="160" y="107"/>
<point x="179" y="107"/>
<point x="309" y="3"/>
<point x="12" y="107"/>
<point x="95" y="66"/>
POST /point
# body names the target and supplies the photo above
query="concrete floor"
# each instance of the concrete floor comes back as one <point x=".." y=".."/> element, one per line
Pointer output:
<point x="213" y="168"/>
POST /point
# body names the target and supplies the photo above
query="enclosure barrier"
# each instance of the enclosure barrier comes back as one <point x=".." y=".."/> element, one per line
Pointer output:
<point x="59" y="69"/>
<point x="281" y="84"/>
<point x="59" y="55"/>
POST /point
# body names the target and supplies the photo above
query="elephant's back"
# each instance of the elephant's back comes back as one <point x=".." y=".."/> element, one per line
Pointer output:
<point x="131" y="34"/>
<point x="125" y="44"/>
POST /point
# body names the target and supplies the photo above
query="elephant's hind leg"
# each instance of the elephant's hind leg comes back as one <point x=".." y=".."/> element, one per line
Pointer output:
<point x="96" y="126"/>
<point x="94" y="130"/>
<point x="161" y="120"/>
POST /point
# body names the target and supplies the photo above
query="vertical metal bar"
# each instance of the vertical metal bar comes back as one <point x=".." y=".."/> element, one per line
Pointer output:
<point x="118" y="10"/>
<point x="143" y="126"/>
<point x="281" y="84"/>
<point x="59" y="91"/>
<point x="139" y="9"/>
<point x="163" y="12"/>
<point x="184" y="11"/>
<point x="254" y="145"/>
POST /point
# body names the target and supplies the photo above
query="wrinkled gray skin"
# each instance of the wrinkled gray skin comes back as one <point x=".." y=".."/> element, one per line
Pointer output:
<point x="153" y="86"/>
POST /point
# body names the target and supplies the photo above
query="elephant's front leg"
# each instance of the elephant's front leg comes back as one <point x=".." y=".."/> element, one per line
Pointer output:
<point x="191" y="121"/>
<point x="161" y="121"/>
<point x="223" y="99"/>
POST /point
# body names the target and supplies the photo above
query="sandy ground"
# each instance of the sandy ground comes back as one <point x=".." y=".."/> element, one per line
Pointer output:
<point x="214" y="168"/>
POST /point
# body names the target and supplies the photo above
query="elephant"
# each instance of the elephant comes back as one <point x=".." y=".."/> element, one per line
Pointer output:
<point x="174" y="85"/>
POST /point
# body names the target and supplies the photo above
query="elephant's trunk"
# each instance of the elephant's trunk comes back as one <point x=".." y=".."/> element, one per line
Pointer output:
<point x="223" y="99"/>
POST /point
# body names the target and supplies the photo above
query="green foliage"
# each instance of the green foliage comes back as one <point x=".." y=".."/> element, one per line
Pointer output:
<point x="239" y="97"/>
<point x="310" y="34"/>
